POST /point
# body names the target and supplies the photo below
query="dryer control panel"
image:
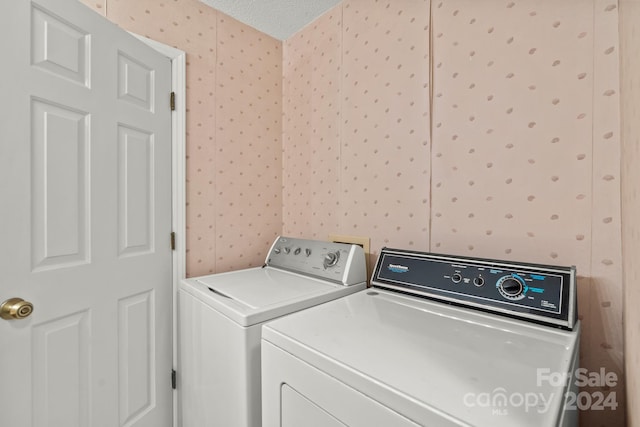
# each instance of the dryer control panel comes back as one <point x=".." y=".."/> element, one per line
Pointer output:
<point x="546" y="294"/>
<point x="338" y="262"/>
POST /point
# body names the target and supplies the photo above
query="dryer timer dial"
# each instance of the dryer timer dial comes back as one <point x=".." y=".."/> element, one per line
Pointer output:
<point x="511" y="287"/>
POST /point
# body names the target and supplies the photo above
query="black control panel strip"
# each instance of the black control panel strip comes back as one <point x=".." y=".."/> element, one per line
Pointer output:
<point x="540" y="293"/>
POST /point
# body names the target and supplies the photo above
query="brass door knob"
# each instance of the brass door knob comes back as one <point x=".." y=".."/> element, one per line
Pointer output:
<point x="15" y="308"/>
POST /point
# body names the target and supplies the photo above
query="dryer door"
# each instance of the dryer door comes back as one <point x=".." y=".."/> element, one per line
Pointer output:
<point x="294" y="393"/>
<point x="297" y="411"/>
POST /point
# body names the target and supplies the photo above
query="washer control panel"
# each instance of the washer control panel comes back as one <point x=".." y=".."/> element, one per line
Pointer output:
<point x="545" y="294"/>
<point x="338" y="262"/>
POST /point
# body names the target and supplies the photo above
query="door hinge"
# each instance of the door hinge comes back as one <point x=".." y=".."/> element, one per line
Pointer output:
<point x="172" y="101"/>
<point x="173" y="240"/>
<point x="173" y="379"/>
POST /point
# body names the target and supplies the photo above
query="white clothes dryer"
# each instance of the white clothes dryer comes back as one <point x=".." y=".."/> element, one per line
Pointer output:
<point x="438" y="341"/>
<point x="220" y="318"/>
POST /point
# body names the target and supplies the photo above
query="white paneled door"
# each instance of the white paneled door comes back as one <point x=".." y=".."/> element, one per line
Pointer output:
<point x="85" y="220"/>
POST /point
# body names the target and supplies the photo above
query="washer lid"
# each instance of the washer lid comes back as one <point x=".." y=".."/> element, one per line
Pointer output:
<point x="258" y="294"/>
<point x="422" y="358"/>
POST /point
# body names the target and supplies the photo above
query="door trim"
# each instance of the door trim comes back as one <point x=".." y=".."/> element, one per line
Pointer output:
<point x="178" y="181"/>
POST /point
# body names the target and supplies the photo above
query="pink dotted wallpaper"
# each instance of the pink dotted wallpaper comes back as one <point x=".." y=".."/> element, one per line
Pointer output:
<point x="496" y="133"/>
<point x="356" y="125"/>
<point x="385" y="123"/>
<point x="234" y="129"/>
<point x="312" y="61"/>
<point x="248" y="176"/>
<point x="512" y="130"/>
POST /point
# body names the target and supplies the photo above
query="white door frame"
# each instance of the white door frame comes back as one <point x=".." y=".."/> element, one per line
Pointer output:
<point x="178" y="180"/>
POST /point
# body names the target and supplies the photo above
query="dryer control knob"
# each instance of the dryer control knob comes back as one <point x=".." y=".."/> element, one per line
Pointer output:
<point x="511" y="288"/>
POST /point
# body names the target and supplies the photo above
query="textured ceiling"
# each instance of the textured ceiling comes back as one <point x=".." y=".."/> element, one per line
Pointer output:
<point x="278" y="18"/>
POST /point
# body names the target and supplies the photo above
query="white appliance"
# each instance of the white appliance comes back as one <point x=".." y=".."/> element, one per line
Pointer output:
<point x="438" y="341"/>
<point x="221" y="315"/>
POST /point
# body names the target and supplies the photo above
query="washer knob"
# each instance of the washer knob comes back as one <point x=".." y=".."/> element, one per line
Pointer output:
<point x="478" y="281"/>
<point x="331" y="259"/>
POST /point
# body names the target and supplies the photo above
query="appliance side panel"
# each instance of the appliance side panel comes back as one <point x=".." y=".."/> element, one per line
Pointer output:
<point x="212" y="359"/>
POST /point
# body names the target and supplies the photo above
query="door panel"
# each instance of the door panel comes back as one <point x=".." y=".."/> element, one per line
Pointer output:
<point x="60" y="371"/>
<point x="135" y="192"/>
<point x="59" y="46"/>
<point x="59" y="177"/>
<point x="85" y="218"/>
<point x="135" y="82"/>
<point x="136" y="356"/>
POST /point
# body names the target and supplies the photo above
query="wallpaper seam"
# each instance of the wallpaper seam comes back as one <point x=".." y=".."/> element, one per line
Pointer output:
<point x="216" y="116"/>
<point x="430" y="132"/>
<point x="341" y="205"/>
<point x="593" y="149"/>
<point x="589" y="281"/>
<point x="623" y="215"/>
<point x="606" y="358"/>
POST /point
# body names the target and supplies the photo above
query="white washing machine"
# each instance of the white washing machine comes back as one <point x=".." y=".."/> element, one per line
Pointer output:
<point x="220" y="318"/>
<point x="437" y="341"/>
